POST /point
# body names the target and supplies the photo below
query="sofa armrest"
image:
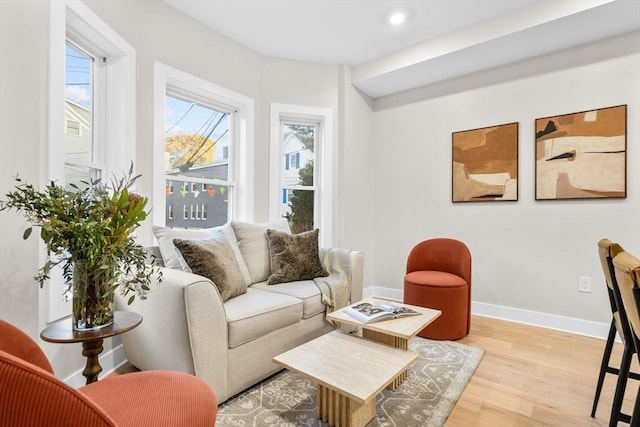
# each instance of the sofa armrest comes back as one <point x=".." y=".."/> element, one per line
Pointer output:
<point x="357" y="275"/>
<point x="184" y="328"/>
<point x="354" y="263"/>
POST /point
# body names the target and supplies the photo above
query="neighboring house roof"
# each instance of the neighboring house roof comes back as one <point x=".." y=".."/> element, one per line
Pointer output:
<point x="77" y="130"/>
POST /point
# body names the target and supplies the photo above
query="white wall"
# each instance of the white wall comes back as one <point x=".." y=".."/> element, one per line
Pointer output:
<point x="22" y="71"/>
<point x="526" y="255"/>
<point x="355" y="212"/>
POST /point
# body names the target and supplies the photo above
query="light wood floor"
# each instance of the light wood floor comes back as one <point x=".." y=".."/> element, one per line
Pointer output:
<point x="533" y="376"/>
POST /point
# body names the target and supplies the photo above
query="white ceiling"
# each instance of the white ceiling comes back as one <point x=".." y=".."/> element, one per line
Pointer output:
<point x="441" y="39"/>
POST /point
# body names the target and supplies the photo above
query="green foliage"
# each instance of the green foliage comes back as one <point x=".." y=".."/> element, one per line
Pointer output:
<point x="92" y="225"/>
<point x="301" y="202"/>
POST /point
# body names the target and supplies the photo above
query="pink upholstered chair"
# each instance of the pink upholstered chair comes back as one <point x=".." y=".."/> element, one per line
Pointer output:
<point x="31" y="395"/>
<point x="438" y="276"/>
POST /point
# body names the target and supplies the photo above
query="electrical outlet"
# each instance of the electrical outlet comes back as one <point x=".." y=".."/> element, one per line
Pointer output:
<point x="584" y="284"/>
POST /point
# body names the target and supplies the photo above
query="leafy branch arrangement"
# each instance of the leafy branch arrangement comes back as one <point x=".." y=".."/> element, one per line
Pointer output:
<point x="90" y="225"/>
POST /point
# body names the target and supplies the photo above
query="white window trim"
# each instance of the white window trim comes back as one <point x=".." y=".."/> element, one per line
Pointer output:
<point x="323" y="174"/>
<point x="243" y="129"/>
<point x="74" y="18"/>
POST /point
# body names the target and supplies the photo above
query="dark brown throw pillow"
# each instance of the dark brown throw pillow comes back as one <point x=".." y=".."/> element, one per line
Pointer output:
<point x="294" y="256"/>
<point x="214" y="259"/>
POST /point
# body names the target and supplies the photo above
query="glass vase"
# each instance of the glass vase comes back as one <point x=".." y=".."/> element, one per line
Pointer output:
<point x="92" y="296"/>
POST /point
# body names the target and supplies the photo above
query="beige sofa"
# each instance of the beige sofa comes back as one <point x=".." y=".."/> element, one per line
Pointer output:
<point x="230" y="345"/>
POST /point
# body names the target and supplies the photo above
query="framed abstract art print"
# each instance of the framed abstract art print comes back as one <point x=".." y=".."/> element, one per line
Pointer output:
<point x="485" y="164"/>
<point x="582" y="155"/>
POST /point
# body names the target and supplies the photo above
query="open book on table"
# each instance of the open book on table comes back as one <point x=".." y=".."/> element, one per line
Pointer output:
<point x="369" y="312"/>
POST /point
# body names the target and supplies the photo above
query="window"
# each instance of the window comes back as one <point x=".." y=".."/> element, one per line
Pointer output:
<point x="195" y="135"/>
<point x="91" y="120"/>
<point x="84" y="84"/>
<point x="292" y="160"/>
<point x="203" y="137"/>
<point x="301" y="149"/>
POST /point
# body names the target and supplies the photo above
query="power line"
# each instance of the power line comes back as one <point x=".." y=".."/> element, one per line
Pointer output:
<point x="180" y="119"/>
<point x="203" y="134"/>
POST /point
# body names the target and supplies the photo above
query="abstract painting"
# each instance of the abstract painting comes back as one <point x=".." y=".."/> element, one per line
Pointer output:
<point x="485" y="164"/>
<point x="582" y="155"/>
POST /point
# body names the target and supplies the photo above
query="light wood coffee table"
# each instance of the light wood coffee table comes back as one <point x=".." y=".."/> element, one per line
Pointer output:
<point x="394" y="332"/>
<point x="349" y="371"/>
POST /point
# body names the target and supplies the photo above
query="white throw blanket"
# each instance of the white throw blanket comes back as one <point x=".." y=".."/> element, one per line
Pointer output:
<point x="335" y="288"/>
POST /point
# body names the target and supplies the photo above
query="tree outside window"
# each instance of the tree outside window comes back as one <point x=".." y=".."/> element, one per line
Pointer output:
<point x="299" y="210"/>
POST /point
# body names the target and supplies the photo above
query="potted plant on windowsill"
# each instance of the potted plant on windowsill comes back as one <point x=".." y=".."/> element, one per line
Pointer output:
<point x="88" y="231"/>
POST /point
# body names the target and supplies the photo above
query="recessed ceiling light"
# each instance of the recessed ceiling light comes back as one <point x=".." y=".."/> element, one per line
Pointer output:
<point x="397" y="18"/>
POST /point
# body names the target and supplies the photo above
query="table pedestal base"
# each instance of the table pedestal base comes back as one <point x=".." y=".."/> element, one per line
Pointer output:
<point x="341" y="411"/>
<point x="392" y="341"/>
<point x="91" y="350"/>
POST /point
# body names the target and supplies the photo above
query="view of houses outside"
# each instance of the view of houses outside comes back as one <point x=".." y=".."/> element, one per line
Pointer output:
<point x="297" y="204"/>
<point x="78" y="116"/>
<point x="196" y="165"/>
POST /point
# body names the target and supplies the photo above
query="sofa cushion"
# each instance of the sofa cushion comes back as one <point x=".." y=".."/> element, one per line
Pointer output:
<point x="252" y="241"/>
<point x="257" y="313"/>
<point x="214" y="259"/>
<point x="304" y="290"/>
<point x="171" y="256"/>
<point x="294" y="256"/>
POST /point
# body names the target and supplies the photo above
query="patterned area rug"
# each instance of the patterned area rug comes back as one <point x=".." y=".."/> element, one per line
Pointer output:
<point x="434" y="385"/>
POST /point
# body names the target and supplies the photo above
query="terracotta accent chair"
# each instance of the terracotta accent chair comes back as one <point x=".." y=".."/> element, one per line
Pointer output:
<point x="627" y="273"/>
<point x="607" y="250"/>
<point x="31" y="395"/>
<point x="438" y="276"/>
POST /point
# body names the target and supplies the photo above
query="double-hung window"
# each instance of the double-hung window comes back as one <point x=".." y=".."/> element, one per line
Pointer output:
<point x="301" y="165"/>
<point x="84" y="114"/>
<point x="201" y="147"/>
<point x="198" y="135"/>
<point x="91" y="109"/>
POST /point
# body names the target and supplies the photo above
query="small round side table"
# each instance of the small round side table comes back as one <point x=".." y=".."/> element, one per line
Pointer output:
<point x="62" y="332"/>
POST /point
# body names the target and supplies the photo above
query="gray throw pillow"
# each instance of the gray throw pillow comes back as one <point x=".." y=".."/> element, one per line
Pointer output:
<point x="214" y="259"/>
<point x="253" y="245"/>
<point x="294" y="256"/>
<point x="172" y="257"/>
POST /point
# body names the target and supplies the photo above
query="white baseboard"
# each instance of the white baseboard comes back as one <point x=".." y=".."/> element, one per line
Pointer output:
<point x="534" y="318"/>
<point x="382" y="292"/>
<point x="545" y="320"/>
<point x="110" y="361"/>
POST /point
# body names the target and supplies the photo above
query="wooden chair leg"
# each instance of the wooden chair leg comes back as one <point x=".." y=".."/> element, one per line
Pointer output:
<point x="604" y="365"/>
